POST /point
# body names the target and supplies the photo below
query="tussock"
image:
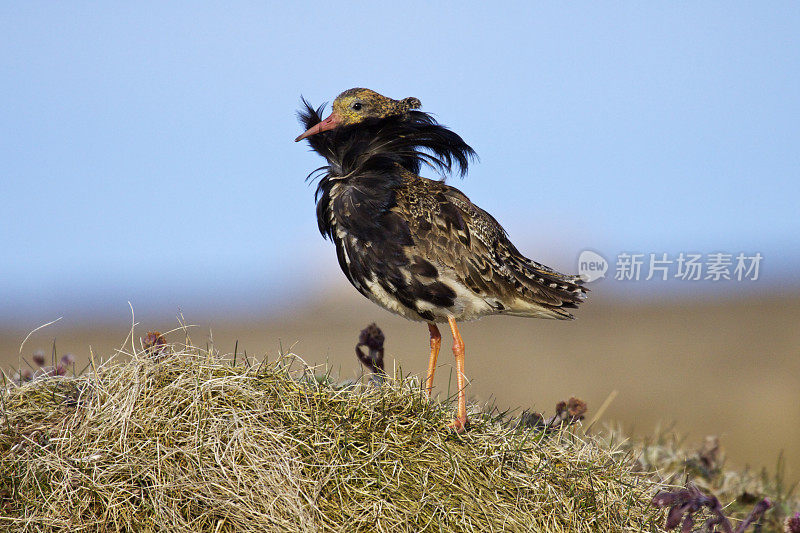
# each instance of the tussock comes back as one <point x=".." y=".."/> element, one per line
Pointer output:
<point x="191" y="441"/>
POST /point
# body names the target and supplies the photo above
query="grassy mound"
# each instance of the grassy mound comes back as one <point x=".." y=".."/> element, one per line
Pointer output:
<point x="189" y="441"/>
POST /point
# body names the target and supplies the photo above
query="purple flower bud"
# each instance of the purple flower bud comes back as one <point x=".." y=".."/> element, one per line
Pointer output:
<point x="792" y="524"/>
<point x="38" y="357"/>
<point x="663" y="499"/>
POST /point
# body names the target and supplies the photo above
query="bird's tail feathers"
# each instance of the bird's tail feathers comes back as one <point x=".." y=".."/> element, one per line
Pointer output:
<point x="548" y="292"/>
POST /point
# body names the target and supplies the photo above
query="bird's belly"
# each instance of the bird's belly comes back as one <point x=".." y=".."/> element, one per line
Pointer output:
<point x="397" y="289"/>
<point x="379" y="295"/>
<point x="466" y="304"/>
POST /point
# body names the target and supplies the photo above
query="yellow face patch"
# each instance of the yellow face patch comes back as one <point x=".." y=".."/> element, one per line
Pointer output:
<point x="356" y="105"/>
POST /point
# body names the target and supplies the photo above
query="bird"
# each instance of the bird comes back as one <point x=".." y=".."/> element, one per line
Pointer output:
<point x="417" y="246"/>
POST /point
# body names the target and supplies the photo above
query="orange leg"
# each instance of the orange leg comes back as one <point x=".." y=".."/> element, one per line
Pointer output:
<point x="460" y="423"/>
<point x="436" y="343"/>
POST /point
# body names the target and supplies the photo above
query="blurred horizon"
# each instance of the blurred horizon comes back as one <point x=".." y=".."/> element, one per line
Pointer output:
<point x="261" y="300"/>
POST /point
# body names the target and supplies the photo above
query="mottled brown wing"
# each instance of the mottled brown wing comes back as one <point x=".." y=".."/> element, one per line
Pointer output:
<point x="451" y="231"/>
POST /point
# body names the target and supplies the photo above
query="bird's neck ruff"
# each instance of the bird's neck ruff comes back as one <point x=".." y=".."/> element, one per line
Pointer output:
<point x="367" y="156"/>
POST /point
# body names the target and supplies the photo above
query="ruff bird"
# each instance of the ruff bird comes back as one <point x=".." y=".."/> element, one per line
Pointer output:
<point x="416" y="246"/>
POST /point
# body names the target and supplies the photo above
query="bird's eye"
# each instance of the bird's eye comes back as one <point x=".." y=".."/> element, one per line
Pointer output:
<point x="357" y="106"/>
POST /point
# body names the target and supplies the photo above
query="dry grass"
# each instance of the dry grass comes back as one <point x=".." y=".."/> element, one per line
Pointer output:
<point x="187" y="440"/>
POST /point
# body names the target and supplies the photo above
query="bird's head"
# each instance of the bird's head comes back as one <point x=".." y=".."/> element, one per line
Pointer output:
<point x="355" y="106"/>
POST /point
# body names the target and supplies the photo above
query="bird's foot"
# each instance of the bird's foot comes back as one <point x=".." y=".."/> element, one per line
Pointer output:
<point x="459" y="425"/>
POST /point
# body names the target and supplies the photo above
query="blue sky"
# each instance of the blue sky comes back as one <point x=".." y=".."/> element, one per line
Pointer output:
<point x="147" y="154"/>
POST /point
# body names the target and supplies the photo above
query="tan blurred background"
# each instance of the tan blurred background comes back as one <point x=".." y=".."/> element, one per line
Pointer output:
<point x="721" y="366"/>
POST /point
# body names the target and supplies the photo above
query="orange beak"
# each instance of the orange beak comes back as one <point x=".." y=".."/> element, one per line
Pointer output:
<point x="328" y="124"/>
